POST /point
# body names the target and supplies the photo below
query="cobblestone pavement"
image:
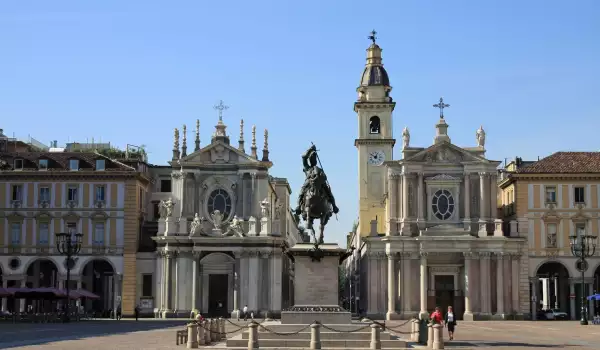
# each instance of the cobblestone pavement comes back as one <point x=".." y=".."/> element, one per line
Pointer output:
<point x="519" y="335"/>
<point x="160" y="334"/>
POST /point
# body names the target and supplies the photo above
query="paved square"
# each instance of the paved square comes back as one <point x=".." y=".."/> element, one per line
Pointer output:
<point x="159" y="334"/>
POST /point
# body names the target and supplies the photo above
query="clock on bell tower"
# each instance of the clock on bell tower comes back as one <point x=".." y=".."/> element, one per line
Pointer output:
<point x="375" y="140"/>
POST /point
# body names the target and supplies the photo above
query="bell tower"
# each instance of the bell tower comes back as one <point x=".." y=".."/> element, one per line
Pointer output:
<point x="375" y="140"/>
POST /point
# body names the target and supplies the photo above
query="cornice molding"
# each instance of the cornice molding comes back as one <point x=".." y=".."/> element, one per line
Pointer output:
<point x="358" y="142"/>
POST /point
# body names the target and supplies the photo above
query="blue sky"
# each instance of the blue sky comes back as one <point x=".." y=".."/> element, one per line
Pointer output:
<point x="131" y="71"/>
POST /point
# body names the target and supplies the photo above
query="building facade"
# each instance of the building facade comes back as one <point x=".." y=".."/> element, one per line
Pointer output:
<point x="550" y="200"/>
<point x="432" y="214"/>
<point x="54" y="191"/>
<point x="220" y="223"/>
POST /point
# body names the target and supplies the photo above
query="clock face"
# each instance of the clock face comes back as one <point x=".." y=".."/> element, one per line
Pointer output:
<point x="376" y="157"/>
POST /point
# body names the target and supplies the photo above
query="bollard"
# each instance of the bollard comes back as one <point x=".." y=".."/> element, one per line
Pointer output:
<point x="253" y="336"/>
<point x="214" y="329"/>
<point x="438" y="336"/>
<point x="201" y="336"/>
<point x="222" y="329"/>
<point x="429" y="335"/>
<point x="192" y="336"/>
<point x="414" y="331"/>
<point x="315" y="335"/>
<point x="206" y="325"/>
<point x="375" y="336"/>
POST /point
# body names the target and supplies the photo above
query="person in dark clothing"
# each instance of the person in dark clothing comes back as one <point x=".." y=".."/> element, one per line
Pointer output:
<point x="136" y="312"/>
<point x="119" y="313"/>
<point x="450" y="321"/>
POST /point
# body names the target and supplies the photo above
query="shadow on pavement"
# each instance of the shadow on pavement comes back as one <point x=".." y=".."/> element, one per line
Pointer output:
<point x="461" y="344"/>
<point x="37" y="334"/>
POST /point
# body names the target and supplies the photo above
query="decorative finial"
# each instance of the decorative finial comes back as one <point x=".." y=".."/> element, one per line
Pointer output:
<point x="266" y="145"/>
<point x="441" y="105"/>
<point x="241" y="140"/>
<point x="221" y="107"/>
<point x="184" y="142"/>
<point x="197" y="135"/>
<point x="253" y="147"/>
<point x="176" y="144"/>
<point x="265" y="157"/>
<point x="373" y="36"/>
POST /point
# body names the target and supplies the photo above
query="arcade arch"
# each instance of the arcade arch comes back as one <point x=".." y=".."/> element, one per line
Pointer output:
<point x="217" y="271"/>
<point x="97" y="276"/>
<point x="42" y="273"/>
<point x="553" y="287"/>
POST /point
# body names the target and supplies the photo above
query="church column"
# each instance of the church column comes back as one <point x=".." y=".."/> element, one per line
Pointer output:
<point x="276" y="267"/>
<point x="167" y="284"/>
<point x="515" y="283"/>
<point x="493" y="197"/>
<point x="391" y="209"/>
<point x="469" y="285"/>
<point x="405" y="208"/>
<point x="399" y="198"/>
<point x="423" y="313"/>
<point x="406" y="293"/>
<point x="195" y="258"/>
<point x="253" y="280"/>
<point x="244" y="197"/>
<point x="467" y="219"/>
<point x="485" y="278"/>
<point x="483" y="199"/>
<point x="420" y="198"/>
<point x="500" y="285"/>
<point x="391" y="292"/>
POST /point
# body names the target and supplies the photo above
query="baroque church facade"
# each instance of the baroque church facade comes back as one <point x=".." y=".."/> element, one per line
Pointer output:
<point x="222" y="220"/>
<point x="428" y="232"/>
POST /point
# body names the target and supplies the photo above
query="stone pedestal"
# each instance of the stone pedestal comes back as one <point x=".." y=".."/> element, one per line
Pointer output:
<point x="316" y="286"/>
<point x="265" y="226"/>
<point x="170" y="226"/>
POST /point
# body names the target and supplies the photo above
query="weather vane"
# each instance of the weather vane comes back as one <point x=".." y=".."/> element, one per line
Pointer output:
<point x="441" y="105"/>
<point x="373" y="37"/>
<point x="221" y="107"/>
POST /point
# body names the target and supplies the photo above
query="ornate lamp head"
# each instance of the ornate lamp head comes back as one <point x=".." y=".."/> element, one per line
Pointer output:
<point x="68" y="243"/>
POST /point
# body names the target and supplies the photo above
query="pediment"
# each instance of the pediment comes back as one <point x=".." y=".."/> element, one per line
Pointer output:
<point x="443" y="177"/>
<point x="218" y="153"/>
<point x="445" y="152"/>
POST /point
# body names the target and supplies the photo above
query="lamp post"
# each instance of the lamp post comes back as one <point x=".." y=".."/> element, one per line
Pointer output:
<point x="583" y="246"/>
<point x="69" y="245"/>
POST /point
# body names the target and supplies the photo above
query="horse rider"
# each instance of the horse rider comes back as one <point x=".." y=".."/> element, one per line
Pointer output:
<point x="315" y="176"/>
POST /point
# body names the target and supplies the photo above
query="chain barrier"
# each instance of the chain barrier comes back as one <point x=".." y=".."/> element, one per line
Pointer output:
<point x="284" y="333"/>
<point x="350" y="331"/>
<point x="395" y="328"/>
<point x="252" y="320"/>
<point x="217" y="332"/>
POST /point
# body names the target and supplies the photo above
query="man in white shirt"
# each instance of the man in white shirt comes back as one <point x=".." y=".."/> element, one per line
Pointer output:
<point x="245" y="310"/>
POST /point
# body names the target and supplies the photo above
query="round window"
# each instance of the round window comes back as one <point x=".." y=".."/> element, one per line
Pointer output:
<point x="219" y="200"/>
<point x="442" y="204"/>
<point x="14" y="263"/>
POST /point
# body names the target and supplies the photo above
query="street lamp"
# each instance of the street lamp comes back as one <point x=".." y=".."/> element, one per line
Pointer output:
<point x="583" y="246"/>
<point x="69" y="245"/>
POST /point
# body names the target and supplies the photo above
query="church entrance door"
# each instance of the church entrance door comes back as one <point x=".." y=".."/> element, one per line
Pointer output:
<point x="217" y="295"/>
<point x="444" y="292"/>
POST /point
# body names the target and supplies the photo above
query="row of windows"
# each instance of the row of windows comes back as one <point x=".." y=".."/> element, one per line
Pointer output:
<point x="73" y="164"/>
<point x="44" y="193"/>
<point x="578" y="194"/>
<point x="43" y="232"/>
<point x="552" y="231"/>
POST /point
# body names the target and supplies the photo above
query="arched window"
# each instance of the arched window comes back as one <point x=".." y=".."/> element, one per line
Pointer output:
<point x="220" y="200"/>
<point x="374" y="125"/>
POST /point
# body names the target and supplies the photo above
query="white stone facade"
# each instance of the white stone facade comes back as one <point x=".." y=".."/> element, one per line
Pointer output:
<point x="222" y="222"/>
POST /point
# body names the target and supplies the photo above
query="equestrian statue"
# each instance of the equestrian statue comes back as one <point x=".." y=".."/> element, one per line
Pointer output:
<point x="315" y="200"/>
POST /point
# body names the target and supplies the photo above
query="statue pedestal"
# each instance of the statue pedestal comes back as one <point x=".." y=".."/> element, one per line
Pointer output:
<point x="217" y="232"/>
<point x="316" y="286"/>
<point x="265" y="226"/>
<point x="170" y="226"/>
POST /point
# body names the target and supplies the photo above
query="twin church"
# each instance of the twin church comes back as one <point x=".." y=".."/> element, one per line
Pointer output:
<point x="428" y="232"/>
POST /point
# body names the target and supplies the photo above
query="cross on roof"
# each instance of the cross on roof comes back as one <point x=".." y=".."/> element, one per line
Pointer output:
<point x="441" y="105"/>
<point x="373" y="37"/>
<point x="221" y="107"/>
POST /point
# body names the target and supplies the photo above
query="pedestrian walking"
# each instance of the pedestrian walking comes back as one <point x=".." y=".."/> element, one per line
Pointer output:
<point x="245" y="310"/>
<point x="450" y="321"/>
<point x="136" y="312"/>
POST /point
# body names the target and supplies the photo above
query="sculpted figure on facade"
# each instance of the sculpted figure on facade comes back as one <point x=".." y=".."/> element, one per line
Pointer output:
<point x="166" y="208"/>
<point x="235" y="226"/>
<point x="217" y="218"/>
<point x="196" y="226"/>
<point x="405" y="138"/>
<point x="480" y="136"/>
<point x="264" y="208"/>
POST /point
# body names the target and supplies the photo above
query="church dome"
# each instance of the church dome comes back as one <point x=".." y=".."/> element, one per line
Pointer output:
<point x="374" y="73"/>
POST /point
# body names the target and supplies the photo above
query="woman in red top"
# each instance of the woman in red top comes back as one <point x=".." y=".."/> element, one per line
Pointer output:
<point x="436" y="316"/>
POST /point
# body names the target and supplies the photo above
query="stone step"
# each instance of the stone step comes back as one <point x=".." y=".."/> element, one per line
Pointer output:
<point x="324" y="335"/>
<point x="308" y="348"/>
<point x="303" y="343"/>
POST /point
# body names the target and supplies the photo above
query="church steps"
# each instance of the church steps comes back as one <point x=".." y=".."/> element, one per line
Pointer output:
<point x="237" y="342"/>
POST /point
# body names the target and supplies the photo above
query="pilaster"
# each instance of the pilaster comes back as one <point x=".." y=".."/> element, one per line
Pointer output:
<point x="423" y="314"/>
<point x="469" y="285"/>
<point x="420" y="199"/>
<point x="391" y="284"/>
<point x="467" y="200"/>
<point x="500" y="312"/>
<point x="485" y="278"/>
<point x="483" y="201"/>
